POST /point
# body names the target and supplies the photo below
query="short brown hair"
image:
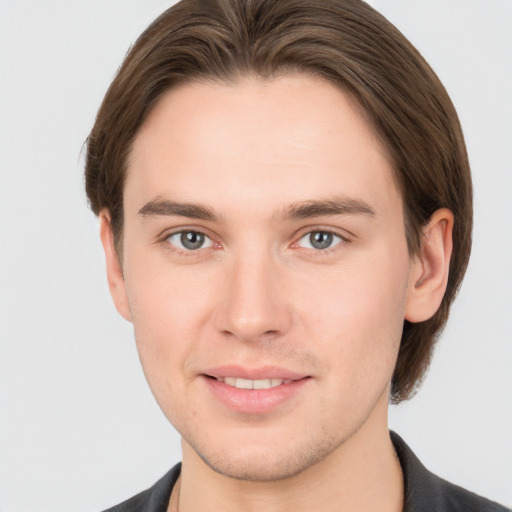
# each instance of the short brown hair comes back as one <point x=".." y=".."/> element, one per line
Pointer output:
<point x="346" y="42"/>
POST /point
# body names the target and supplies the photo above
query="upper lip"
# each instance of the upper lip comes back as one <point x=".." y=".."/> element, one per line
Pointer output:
<point x="260" y="373"/>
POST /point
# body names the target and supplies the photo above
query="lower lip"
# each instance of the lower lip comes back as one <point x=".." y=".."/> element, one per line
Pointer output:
<point x="255" y="401"/>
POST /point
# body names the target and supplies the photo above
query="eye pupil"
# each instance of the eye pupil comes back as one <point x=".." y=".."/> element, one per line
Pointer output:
<point x="192" y="240"/>
<point x="320" y="239"/>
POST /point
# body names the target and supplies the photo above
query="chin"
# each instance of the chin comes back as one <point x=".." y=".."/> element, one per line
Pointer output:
<point x="265" y="465"/>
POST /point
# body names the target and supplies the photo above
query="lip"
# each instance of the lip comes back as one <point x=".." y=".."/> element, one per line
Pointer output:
<point x="263" y="372"/>
<point x="254" y="401"/>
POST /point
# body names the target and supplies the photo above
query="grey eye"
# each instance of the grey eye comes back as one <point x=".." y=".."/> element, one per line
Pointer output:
<point x="189" y="240"/>
<point x="320" y="240"/>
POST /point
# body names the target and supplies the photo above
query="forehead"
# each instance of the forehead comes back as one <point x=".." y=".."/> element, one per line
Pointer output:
<point x="258" y="142"/>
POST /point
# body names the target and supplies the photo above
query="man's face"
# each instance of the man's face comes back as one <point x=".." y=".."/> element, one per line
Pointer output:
<point x="264" y="247"/>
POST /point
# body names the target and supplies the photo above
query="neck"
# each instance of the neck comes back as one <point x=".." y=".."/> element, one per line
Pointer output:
<point x="363" y="474"/>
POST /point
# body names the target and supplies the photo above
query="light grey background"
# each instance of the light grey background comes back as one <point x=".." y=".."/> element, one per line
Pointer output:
<point x="79" y="429"/>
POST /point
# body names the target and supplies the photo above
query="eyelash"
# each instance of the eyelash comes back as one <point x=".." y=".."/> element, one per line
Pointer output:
<point x="184" y="252"/>
<point x="343" y="239"/>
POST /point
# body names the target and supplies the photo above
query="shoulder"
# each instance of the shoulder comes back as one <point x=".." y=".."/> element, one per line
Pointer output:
<point x="457" y="499"/>
<point x="425" y="491"/>
<point x="154" y="499"/>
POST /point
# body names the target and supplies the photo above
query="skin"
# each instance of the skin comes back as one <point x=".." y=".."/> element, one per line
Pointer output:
<point x="257" y="294"/>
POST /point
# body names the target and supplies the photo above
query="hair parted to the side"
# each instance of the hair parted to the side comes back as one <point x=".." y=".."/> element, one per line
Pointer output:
<point x="349" y="44"/>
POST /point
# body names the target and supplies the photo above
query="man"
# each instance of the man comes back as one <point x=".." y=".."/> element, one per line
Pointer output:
<point x="285" y="208"/>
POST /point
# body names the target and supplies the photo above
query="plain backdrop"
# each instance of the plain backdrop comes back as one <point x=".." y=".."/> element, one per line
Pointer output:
<point x="79" y="428"/>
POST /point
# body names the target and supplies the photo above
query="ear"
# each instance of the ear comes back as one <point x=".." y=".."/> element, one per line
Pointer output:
<point x="428" y="275"/>
<point x="114" y="270"/>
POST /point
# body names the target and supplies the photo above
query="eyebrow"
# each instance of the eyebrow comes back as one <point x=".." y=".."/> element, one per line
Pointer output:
<point x="319" y="208"/>
<point x="162" y="207"/>
<point x="301" y="210"/>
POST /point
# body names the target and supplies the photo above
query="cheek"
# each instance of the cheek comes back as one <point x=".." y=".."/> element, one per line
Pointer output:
<point x="169" y="312"/>
<point x="169" y="308"/>
<point x="357" y="312"/>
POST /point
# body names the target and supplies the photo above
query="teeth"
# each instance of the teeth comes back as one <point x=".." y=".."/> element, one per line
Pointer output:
<point x="252" y="384"/>
<point x="243" y="384"/>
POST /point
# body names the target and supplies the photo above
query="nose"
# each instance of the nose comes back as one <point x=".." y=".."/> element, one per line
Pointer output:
<point x="254" y="306"/>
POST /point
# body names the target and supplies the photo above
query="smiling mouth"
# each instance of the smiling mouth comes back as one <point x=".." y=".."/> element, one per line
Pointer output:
<point x="241" y="383"/>
<point x="255" y="391"/>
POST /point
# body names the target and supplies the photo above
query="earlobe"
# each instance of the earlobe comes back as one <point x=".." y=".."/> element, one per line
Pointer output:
<point x="430" y="268"/>
<point x="114" y="270"/>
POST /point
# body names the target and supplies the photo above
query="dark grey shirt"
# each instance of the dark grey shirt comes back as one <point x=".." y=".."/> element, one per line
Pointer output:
<point x="424" y="491"/>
